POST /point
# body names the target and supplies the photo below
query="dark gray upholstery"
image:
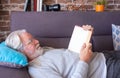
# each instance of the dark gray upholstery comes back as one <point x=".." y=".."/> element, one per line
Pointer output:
<point x="55" y="28"/>
<point x="6" y="72"/>
<point x="102" y="43"/>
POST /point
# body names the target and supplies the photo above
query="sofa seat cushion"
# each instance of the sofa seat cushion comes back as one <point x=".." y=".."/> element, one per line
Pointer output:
<point x="7" y="72"/>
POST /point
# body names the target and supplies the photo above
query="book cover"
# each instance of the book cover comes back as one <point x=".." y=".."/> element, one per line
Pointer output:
<point x="78" y="38"/>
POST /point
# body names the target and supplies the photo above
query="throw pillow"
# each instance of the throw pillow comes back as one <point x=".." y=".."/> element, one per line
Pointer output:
<point x="116" y="36"/>
<point x="11" y="58"/>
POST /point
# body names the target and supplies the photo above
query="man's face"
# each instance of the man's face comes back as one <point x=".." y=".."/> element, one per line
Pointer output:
<point x="31" y="46"/>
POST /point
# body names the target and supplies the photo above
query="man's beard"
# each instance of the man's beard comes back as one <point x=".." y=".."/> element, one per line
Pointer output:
<point x="38" y="52"/>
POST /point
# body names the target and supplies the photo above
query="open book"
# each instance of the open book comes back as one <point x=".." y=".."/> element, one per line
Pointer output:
<point x="78" y="38"/>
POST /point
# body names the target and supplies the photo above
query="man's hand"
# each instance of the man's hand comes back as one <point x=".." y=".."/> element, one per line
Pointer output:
<point x="87" y="27"/>
<point x="86" y="52"/>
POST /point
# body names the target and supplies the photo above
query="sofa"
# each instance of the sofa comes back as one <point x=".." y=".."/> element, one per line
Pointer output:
<point x="55" y="28"/>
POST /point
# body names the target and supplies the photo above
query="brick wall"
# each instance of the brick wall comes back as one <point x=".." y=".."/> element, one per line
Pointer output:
<point x="6" y="6"/>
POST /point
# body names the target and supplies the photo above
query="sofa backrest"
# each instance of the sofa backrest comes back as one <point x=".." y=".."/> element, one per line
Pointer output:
<point x="55" y="28"/>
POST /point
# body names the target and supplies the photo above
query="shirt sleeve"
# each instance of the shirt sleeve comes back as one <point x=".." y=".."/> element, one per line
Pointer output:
<point x="81" y="70"/>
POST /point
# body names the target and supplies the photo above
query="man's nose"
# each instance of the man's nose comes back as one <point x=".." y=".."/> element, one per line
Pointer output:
<point x="36" y="41"/>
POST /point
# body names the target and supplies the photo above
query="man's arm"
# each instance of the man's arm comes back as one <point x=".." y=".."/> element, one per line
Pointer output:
<point x="82" y="66"/>
<point x="81" y="70"/>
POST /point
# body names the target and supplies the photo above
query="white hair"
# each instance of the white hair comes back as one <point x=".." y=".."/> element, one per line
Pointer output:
<point x="13" y="40"/>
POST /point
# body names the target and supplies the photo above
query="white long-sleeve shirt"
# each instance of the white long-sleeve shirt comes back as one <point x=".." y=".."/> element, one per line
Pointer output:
<point x="61" y="63"/>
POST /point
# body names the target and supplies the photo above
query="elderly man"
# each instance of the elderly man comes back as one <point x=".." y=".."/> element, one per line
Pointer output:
<point x="57" y="63"/>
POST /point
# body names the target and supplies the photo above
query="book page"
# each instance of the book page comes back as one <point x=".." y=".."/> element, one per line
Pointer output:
<point x="78" y="38"/>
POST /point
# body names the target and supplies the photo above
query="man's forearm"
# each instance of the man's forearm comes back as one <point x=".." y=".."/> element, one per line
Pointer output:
<point x="81" y="70"/>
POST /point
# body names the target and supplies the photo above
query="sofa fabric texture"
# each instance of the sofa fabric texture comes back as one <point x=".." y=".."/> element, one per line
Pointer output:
<point x="57" y="27"/>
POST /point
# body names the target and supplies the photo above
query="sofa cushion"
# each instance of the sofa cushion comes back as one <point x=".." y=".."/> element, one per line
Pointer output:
<point x="7" y="72"/>
<point x="101" y="43"/>
<point x="116" y="36"/>
<point x="54" y="42"/>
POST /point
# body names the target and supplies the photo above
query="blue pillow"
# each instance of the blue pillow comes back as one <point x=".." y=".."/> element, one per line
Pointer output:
<point x="116" y="36"/>
<point x="12" y="58"/>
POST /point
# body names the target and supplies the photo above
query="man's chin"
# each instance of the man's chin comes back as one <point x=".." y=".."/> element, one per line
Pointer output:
<point x="39" y="51"/>
<point x="39" y="48"/>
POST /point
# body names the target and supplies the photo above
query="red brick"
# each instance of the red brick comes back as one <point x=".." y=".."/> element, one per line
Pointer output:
<point x="4" y="1"/>
<point x="49" y="2"/>
<point x="2" y="39"/>
<point x="119" y="7"/>
<point x="117" y="2"/>
<point x="17" y="1"/>
<point x="4" y="17"/>
<point x="91" y="1"/>
<point x="5" y="7"/>
<point x="88" y="7"/>
<point x="0" y="7"/>
<point x="79" y="1"/>
<point x="6" y="28"/>
<point x="4" y="12"/>
<point x="110" y="2"/>
<point x="21" y="7"/>
<point x="2" y="34"/>
<point x="64" y="1"/>
<point x="110" y="6"/>
<point x="16" y="8"/>
<point x="2" y="24"/>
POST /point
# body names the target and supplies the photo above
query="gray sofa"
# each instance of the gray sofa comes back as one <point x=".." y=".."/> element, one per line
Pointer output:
<point x="55" y="28"/>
